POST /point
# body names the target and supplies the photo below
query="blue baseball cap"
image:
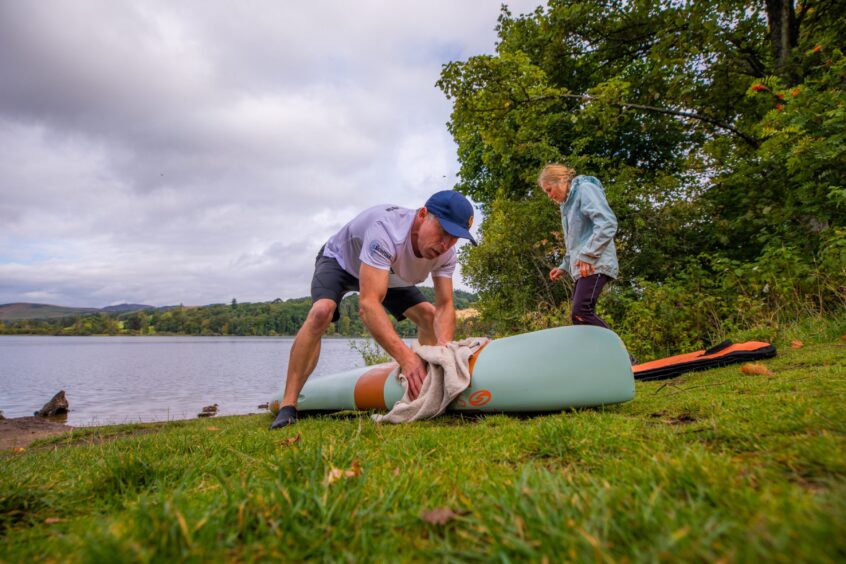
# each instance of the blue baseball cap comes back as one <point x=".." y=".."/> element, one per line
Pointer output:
<point x="454" y="212"/>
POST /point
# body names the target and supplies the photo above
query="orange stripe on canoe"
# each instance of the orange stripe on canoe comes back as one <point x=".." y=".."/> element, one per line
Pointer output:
<point x="472" y="360"/>
<point x="370" y="387"/>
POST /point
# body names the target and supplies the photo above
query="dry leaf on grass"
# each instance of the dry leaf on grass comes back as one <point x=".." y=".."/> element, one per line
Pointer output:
<point x="52" y="520"/>
<point x="797" y="344"/>
<point x="336" y="474"/>
<point x="290" y="441"/>
<point x="396" y="471"/>
<point x="212" y="428"/>
<point x="594" y="542"/>
<point x="843" y="337"/>
<point x="755" y="369"/>
<point x="441" y="515"/>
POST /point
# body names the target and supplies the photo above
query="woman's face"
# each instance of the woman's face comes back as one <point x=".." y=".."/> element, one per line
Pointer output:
<point x="556" y="190"/>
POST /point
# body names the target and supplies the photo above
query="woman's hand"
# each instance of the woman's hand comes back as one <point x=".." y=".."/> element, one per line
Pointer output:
<point x="585" y="268"/>
<point x="555" y="274"/>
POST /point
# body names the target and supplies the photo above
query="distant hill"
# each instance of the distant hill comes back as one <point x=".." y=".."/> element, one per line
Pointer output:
<point x="20" y="311"/>
<point x="126" y="308"/>
<point x="264" y="318"/>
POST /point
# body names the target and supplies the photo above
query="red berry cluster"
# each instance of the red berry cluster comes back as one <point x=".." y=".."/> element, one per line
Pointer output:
<point x="777" y="96"/>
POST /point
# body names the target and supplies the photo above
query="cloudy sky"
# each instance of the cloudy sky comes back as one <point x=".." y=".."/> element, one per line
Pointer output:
<point x="166" y="152"/>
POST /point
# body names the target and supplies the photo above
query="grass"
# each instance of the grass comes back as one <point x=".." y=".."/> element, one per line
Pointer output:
<point x="711" y="466"/>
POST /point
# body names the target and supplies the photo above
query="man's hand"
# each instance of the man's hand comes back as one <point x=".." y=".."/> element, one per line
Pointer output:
<point x="555" y="274"/>
<point x="415" y="372"/>
<point x="585" y="268"/>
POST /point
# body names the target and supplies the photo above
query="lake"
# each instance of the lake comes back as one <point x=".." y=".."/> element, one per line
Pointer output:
<point x="130" y="379"/>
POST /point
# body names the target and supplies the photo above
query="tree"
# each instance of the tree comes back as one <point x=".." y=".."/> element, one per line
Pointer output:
<point x="659" y="100"/>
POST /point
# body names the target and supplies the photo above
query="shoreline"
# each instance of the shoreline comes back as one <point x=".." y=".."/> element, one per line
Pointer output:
<point x="18" y="433"/>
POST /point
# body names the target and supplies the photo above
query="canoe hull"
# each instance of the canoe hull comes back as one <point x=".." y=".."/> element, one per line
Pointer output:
<point x="550" y="370"/>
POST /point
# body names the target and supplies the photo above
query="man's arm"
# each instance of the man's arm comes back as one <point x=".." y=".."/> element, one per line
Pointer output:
<point x="444" y="310"/>
<point x="373" y="284"/>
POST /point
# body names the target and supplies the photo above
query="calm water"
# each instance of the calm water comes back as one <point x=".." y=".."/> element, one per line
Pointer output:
<point x="131" y="379"/>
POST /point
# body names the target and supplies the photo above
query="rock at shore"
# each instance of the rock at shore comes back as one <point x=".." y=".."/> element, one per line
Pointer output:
<point x="56" y="406"/>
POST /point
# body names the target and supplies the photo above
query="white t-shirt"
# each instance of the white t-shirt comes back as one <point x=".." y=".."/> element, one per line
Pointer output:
<point x="381" y="237"/>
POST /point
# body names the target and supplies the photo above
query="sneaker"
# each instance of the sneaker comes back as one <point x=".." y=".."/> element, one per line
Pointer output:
<point x="287" y="416"/>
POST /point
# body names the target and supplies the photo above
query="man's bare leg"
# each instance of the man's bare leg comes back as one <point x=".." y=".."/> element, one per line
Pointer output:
<point x="423" y="315"/>
<point x="306" y="349"/>
<point x="305" y="353"/>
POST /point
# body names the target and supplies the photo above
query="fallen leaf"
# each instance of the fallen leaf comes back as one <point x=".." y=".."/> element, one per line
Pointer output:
<point x="843" y="337"/>
<point x="333" y="476"/>
<point x="336" y="474"/>
<point x="52" y="520"/>
<point x="396" y="471"/>
<point x="290" y="440"/>
<point x="594" y="542"/>
<point x="680" y="533"/>
<point x="18" y="449"/>
<point x="354" y="470"/>
<point x="796" y="344"/>
<point x="520" y="525"/>
<point x="212" y="428"/>
<point x="441" y="515"/>
<point x="755" y="369"/>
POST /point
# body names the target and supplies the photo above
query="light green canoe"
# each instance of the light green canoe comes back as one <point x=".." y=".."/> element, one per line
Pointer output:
<point x="550" y="370"/>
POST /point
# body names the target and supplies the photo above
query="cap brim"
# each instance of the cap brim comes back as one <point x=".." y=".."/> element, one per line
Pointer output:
<point x="457" y="231"/>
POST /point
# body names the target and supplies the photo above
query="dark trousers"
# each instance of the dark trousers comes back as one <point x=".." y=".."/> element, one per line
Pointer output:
<point x="585" y="295"/>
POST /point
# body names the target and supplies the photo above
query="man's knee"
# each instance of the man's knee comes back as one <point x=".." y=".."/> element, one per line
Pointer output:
<point x="320" y="315"/>
<point x="423" y="315"/>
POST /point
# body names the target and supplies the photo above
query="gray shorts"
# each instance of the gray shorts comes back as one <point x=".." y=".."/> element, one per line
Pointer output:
<point x="331" y="282"/>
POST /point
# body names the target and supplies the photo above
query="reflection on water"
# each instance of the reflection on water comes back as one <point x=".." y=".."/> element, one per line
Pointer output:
<point x="131" y="379"/>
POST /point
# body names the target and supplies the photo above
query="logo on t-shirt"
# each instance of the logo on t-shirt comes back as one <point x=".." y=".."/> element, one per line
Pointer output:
<point x="377" y="249"/>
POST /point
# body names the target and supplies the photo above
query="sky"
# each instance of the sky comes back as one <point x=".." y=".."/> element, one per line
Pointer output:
<point x="193" y="152"/>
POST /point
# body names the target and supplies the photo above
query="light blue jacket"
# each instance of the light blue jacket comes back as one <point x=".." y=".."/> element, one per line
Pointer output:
<point x="589" y="228"/>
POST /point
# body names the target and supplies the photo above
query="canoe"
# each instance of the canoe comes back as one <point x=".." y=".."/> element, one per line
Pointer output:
<point x="549" y="370"/>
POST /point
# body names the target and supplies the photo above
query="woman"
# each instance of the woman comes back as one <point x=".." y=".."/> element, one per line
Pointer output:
<point x="589" y="228"/>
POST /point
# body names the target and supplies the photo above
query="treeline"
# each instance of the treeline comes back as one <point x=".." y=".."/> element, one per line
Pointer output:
<point x="279" y="317"/>
<point x="718" y="128"/>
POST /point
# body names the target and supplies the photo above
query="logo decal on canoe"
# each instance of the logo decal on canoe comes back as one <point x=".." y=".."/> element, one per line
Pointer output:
<point x="480" y="398"/>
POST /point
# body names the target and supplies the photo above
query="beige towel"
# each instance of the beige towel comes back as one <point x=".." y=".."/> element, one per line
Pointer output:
<point x="448" y="375"/>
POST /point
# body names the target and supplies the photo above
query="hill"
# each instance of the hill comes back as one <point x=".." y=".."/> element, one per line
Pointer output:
<point x="21" y="311"/>
<point x="252" y="319"/>
<point x="18" y="311"/>
<point x="126" y="308"/>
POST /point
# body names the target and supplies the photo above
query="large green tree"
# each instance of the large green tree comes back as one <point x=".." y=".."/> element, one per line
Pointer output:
<point x="716" y="126"/>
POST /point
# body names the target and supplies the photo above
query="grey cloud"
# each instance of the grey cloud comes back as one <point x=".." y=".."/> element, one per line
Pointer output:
<point x="198" y="151"/>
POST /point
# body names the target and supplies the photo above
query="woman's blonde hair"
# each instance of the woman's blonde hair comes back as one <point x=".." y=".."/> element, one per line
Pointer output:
<point x="556" y="173"/>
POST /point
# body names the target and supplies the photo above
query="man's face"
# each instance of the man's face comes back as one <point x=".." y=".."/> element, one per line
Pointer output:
<point x="432" y="240"/>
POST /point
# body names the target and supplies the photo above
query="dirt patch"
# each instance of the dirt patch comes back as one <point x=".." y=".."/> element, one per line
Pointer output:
<point x="20" y="432"/>
<point x="681" y="419"/>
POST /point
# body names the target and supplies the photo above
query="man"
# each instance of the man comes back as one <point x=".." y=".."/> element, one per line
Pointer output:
<point x="382" y="253"/>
